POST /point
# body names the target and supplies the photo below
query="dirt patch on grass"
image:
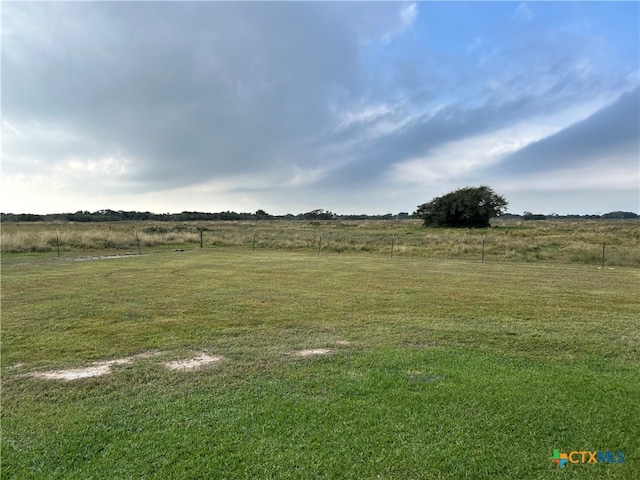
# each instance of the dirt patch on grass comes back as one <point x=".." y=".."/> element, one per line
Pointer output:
<point x="313" y="351"/>
<point x="108" y="257"/>
<point x="195" y="363"/>
<point x="96" y="369"/>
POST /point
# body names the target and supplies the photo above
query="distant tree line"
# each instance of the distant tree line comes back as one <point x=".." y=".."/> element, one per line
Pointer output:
<point x="319" y="214"/>
<point x="538" y="216"/>
<point x="121" y="215"/>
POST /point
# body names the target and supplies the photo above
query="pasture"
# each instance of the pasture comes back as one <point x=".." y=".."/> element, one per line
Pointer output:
<point x="550" y="241"/>
<point x="320" y="359"/>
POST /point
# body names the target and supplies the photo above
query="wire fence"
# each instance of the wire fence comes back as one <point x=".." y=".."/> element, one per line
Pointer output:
<point x="589" y="244"/>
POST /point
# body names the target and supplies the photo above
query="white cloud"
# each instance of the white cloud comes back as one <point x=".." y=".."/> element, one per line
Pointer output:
<point x="364" y="115"/>
<point x="215" y="105"/>
<point x="407" y="16"/>
<point x="523" y="13"/>
<point x="93" y="169"/>
<point x="460" y="158"/>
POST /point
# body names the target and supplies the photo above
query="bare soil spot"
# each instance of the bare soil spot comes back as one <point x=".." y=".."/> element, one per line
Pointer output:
<point x="96" y="369"/>
<point x="313" y="351"/>
<point x="108" y="257"/>
<point x="193" y="363"/>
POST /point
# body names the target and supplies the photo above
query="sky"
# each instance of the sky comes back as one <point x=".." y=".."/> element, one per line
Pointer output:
<point x="289" y="107"/>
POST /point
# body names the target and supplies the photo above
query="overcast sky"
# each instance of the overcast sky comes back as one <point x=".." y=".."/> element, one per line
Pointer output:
<point x="294" y="106"/>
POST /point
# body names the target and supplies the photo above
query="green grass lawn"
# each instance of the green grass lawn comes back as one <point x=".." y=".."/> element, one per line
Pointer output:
<point x="435" y="368"/>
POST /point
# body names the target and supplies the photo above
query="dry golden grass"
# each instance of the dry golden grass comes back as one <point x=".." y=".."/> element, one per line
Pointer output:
<point x="559" y="241"/>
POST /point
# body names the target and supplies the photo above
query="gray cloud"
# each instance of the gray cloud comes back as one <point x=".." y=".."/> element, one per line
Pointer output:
<point x="611" y="136"/>
<point x="513" y="78"/>
<point x="320" y="99"/>
<point x="187" y="90"/>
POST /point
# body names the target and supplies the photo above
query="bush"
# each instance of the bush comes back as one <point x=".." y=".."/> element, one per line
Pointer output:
<point x="470" y="207"/>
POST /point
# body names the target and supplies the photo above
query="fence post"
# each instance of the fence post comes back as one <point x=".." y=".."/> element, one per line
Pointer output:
<point x="482" y="250"/>
<point x="201" y="238"/>
<point x="602" y="255"/>
<point x="58" y="244"/>
<point x="254" y="243"/>
<point x="319" y="243"/>
<point x="138" y="242"/>
<point x="393" y="241"/>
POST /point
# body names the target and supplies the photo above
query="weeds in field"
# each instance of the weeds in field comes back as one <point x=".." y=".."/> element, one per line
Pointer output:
<point x="547" y="241"/>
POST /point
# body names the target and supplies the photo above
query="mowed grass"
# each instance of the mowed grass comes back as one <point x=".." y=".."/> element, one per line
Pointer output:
<point x="436" y="368"/>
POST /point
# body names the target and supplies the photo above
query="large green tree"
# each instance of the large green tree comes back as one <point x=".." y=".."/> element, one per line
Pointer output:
<point x="469" y="207"/>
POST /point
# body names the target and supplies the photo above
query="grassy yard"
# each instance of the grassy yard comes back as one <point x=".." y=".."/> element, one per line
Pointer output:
<point x="417" y="367"/>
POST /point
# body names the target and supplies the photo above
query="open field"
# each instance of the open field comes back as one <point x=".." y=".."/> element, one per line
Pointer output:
<point x="341" y="365"/>
<point x="551" y="241"/>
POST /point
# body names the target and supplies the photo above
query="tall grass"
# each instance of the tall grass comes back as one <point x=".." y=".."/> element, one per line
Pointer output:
<point x="555" y="241"/>
<point x="45" y="237"/>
